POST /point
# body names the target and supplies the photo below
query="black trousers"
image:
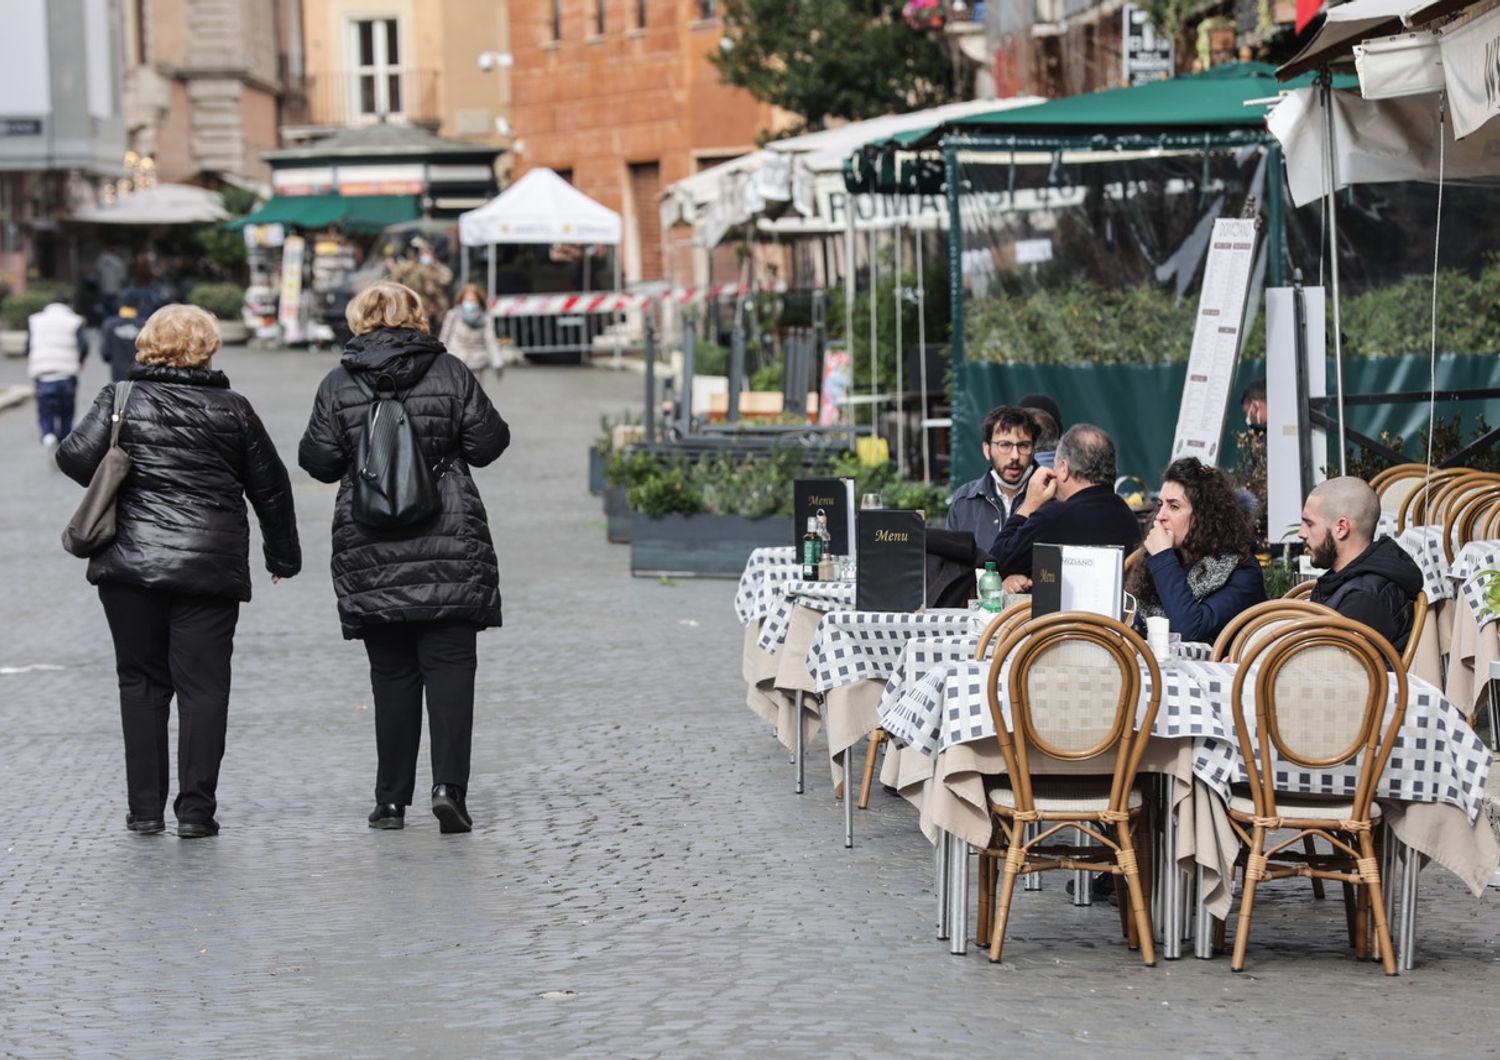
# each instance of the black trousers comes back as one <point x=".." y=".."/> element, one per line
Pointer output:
<point x="407" y="658"/>
<point x="170" y="644"/>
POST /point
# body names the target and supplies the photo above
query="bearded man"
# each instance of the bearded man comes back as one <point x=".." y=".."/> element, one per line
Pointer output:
<point x="982" y="506"/>
<point x="1373" y="582"/>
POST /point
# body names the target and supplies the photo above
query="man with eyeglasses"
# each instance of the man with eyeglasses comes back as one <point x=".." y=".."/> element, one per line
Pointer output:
<point x="982" y="506"/>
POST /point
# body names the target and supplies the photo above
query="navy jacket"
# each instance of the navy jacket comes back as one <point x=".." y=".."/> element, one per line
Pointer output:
<point x="1203" y="620"/>
<point x="1092" y="516"/>
<point x="1376" y="587"/>
<point x="980" y="508"/>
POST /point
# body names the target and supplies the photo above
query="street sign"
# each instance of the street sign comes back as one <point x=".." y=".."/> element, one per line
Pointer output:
<point x="1148" y="54"/>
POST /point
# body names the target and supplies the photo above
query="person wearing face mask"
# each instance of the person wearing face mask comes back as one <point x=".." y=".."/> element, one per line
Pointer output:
<point x="421" y="270"/>
<point x="1196" y="566"/>
<point x="1374" y="582"/>
<point x="982" y="506"/>
<point x="469" y="333"/>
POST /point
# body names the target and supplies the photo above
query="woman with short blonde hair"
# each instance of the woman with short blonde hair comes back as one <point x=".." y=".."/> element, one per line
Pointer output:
<point x="178" y="336"/>
<point x="469" y="334"/>
<point x="172" y="587"/>
<point x="416" y="594"/>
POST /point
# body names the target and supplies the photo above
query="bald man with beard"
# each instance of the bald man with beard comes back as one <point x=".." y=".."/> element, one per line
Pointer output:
<point x="1373" y="582"/>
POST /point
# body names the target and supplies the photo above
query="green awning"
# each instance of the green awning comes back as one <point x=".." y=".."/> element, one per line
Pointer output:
<point x="358" y="213"/>
<point x="1213" y="100"/>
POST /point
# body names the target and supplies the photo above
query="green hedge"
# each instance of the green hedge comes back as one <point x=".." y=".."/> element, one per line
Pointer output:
<point x="223" y="300"/>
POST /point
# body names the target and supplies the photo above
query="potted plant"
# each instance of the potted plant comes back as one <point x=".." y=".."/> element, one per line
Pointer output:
<point x="224" y="301"/>
<point x="622" y="473"/>
<point x="610" y="438"/>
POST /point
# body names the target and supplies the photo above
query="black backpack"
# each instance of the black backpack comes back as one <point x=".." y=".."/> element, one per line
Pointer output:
<point x="393" y="486"/>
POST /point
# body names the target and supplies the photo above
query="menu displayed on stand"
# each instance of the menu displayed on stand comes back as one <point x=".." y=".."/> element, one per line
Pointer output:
<point x="1077" y="578"/>
<point x="834" y="497"/>
<point x="891" y="557"/>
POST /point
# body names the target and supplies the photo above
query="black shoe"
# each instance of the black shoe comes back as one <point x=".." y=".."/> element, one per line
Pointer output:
<point x="143" y="825"/>
<point x="388" y="815"/>
<point x="197" y="829"/>
<point x="448" y="808"/>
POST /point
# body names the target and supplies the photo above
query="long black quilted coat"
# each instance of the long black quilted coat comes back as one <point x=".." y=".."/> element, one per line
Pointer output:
<point x="197" y="449"/>
<point x="440" y="570"/>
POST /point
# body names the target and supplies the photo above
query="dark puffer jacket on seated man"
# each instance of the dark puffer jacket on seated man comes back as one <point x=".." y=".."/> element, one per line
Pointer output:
<point x="1374" y="582"/>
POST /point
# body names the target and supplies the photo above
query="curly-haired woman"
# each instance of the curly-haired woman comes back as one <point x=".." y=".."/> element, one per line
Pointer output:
<point x="1197" y="565"/>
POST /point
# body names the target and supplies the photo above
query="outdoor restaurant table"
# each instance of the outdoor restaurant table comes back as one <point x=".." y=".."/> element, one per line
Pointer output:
<point x="1473" y="642"/>
<point x="1431" y="790"/>
<point x="774" y="664"/>
<point x="852" y="654"/>
<point x="765" y="571"/>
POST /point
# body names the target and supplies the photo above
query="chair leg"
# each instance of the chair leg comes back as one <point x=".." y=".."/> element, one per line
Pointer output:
<point x="985" y="916"/>
<point x="1127" y="922"/>
<point x="1311" y="848"/>
<point x="1014" y="859"/>
<point x="1254" y="866"/>
<point x="876" y="739"/>
<point x="1362" y="922"/>
<point x="1349" y="911"/>
<point x="1369" y="870"/>
<point x="1127" y="860"/>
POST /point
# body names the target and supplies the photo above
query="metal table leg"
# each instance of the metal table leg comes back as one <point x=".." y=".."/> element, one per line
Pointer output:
<point x="958" y="936"/>
<point x="1494" y="705"/>
<point x="1406" y="947"/>
<point x="1203" y="935"/>
<point x="1032" y="881"/>
<point x="797" y="740"/>
<point x="1171" y="936"/>
<point x="942" y="851"/>
<point x="848" y="757"/>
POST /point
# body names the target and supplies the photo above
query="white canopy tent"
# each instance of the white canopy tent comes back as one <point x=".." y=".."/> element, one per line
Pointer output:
<point x="165" y="204"/>
<point x="541" y="207"/>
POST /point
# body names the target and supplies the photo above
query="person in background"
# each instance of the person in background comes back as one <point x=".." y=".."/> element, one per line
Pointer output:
<point x="469" y="333"/>
<point x="142" y="292"/>
<point x="1049" y="425"/>
<point x="55" y="347"/>
<point x="982" y="506"/>
<point x="117" y="337"/>
<point x="421" y="271"/>
<point x="1197" y="565"/>
<point x="173" y="578"/>
<point x="1374" y="582"/>
<point x="1073" y="503"/>
<point x="416" y="595"/>
<point x="1252" y="445"/>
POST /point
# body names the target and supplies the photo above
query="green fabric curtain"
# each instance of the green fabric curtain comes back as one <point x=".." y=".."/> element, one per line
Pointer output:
<point x="361" y="213"/>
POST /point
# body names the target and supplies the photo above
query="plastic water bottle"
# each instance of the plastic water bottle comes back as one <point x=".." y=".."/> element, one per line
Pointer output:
<point x="991" y="590"/>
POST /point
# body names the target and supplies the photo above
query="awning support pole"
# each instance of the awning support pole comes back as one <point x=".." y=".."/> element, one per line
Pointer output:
<point x="1331" y="180"/>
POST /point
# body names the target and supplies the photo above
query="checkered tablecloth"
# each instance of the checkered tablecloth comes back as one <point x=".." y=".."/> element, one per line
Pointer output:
<point x="1387" y="525"/>
<point x="854" y="646"/>
<point x="821" y="596"/>
<point x="1437" y="757"/>
<point x="1424" y="544"/>
<point x="765" y="571"/>
<point x="1468" y="574"/>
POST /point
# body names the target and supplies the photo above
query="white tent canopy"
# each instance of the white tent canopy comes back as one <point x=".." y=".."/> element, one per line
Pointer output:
<point x="165" y="204"/>
<point x="541" y="207"/>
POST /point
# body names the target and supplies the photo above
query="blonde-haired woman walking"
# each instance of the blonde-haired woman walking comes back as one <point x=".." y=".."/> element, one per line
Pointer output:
<point x="173" y="578"/>
<point x="415" y="594"/>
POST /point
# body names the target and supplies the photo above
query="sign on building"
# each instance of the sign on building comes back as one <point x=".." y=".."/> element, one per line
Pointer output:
<point x="1148" y="54"/>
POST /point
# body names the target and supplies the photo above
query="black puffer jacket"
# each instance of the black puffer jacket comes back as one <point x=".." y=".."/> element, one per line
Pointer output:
<point x="1376" y="587"/>
<point x="197" y="449"/>
<point x="441" y="570"/>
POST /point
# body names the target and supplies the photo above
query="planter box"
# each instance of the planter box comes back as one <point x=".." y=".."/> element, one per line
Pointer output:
<point x="13" y="343"/>
<point x="233" y="332"/>
<point x="617" y="515"/>
<point x="701" y="546"/>
<point x="596" y="471"/>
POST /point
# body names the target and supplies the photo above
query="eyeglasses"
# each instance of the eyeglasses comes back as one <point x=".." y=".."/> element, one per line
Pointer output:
<point x="1012" y="447"/>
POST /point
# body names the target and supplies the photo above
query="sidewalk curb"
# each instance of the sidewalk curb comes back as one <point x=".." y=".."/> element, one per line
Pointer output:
<point x="11" y="396"/>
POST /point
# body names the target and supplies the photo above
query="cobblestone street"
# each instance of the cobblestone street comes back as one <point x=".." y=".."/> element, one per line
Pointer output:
<point x="641" y="879"/>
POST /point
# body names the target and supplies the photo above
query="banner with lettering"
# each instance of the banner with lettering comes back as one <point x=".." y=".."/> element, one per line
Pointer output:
<point x="1471" y="70"/>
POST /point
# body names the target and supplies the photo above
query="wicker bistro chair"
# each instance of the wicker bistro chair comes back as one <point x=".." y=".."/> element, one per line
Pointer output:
<point x="1414" y="509"/>
<point x="1300" y="591"/>
<point x="1233" y="637"/>
<point x="1074" y="686"/>
<point x="1320" y="693"/>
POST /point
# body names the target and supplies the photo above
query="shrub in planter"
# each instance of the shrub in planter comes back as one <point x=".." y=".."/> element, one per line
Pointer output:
<point x="667" y="493"/>
<point x="223" y="300"/>
<point x="19" y="307"/>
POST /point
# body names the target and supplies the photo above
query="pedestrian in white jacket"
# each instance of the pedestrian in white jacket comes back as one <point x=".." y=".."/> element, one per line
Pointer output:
<point x="55" y="347"/>
<point x="469" y="334"/>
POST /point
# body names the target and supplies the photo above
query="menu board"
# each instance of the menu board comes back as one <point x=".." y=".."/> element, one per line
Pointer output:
<point x="1077" y="578"/>
<point x="1216" y="340"/>
<point x="891" y="558"/>
<point x="834" y="497"/>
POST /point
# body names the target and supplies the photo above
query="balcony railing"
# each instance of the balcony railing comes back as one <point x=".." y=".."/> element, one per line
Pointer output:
<point x="364" y="97"/>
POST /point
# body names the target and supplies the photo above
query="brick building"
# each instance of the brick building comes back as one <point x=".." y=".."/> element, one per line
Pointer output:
<point x="618" y="96"/>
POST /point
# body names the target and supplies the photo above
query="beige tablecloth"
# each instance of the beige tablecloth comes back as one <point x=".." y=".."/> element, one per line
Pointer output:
<point x="1471" y="650"/>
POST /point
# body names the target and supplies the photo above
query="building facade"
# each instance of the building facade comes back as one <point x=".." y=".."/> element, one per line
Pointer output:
<point x="62" y="136"/>
<point x="619" y="97"/>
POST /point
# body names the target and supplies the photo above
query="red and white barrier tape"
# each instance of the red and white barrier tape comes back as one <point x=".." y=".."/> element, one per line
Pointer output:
<point x="519" y="305"/>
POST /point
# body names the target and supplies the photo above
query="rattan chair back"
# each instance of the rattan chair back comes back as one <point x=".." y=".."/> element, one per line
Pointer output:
<point x="1001" y="625"/>
<point x="1420" y="612"/>
<point x="1383" y="481"/>
<point x="1074" y="682"/>
<point x="1466" y="514"/>
<point x="1300" y="591"/>
<point x="1319" y="692"/>
<point x="1414" y="509"/>
<point x="1225" y="647"/>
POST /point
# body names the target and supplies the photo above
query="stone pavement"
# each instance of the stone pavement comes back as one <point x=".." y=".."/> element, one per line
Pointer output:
<point x="641" y="881"/>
